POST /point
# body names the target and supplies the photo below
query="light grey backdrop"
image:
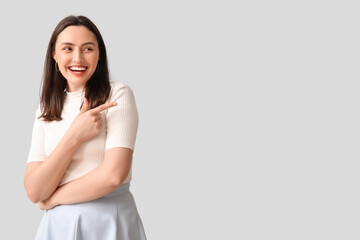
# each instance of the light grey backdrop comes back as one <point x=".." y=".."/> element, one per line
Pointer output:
<point x="249" y="113"/>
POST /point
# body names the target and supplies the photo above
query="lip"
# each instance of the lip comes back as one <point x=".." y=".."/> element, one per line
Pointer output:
<point x="78" y="73"/>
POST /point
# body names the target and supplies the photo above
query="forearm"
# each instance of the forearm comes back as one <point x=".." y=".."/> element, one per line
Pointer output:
<point x="93" y="185"/>
<point x="43" y="180"/>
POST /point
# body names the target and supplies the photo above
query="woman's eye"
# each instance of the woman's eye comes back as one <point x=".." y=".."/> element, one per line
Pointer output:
<point x="67" y="48"/>
<point x="88" y="49"/>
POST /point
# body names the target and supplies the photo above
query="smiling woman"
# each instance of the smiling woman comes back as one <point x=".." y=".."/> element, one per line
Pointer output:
<point x="76" y="55"/>
<point x="80" y="160"/>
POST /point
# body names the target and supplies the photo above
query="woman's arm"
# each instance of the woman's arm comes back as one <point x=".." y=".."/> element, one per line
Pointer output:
<point x="95" y="184"/>
<point x="42" y="178"/>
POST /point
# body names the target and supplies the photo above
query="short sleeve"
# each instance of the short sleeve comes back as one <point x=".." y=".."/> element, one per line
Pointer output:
<point x="37" y="152"/>
<point x="121" y="120"/>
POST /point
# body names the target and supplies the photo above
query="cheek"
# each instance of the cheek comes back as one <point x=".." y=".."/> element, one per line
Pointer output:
<point x="94" y="59"/>
<point x="63" y="59"/>
<point x="63" y="62"/>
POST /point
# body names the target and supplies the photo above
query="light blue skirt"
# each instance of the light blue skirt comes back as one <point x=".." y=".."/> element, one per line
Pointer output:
<point x="111" y="217"/>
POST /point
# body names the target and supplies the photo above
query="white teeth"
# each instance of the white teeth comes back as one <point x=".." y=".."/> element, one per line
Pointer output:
<point x="77" y="68"/>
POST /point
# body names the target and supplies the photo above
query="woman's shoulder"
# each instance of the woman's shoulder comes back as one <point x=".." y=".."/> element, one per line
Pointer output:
<point x="119" y="86"/>
<point x="38" y="111"/>
<point x="116" y="84"/>
<point x="119" y="89"/>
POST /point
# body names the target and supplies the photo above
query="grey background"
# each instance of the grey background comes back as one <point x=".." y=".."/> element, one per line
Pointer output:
<point x="249" y="113"/>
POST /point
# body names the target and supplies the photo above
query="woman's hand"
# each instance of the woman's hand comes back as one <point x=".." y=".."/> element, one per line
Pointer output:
<point x="88" y="123"/>
<point x="48" y="203"/>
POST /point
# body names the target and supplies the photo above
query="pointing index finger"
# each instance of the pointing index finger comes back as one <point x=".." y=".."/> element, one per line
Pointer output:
<point x="102" y="107"/>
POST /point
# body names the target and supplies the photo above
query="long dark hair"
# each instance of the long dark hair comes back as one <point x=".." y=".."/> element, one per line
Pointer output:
<point x="97" y="89"/>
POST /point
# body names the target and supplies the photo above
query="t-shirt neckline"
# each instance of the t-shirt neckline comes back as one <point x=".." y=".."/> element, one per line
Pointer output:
<point x="75" y="93"/>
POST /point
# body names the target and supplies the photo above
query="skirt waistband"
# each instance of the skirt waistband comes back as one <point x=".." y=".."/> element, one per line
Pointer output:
<point x="123" y="188"/>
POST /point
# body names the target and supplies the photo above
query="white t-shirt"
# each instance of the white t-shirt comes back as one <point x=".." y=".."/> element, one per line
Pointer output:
<point x="119" y="129"/>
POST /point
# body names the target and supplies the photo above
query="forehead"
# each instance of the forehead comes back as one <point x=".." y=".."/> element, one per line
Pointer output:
<point x="76" y="35"/>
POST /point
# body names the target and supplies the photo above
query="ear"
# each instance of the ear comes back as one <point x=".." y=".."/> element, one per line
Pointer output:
<point x="54" y="55"/>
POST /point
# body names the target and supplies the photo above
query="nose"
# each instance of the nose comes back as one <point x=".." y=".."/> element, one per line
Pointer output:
<point x="77" y="56"/>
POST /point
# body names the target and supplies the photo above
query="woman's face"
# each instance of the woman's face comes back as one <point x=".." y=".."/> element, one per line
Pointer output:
<point x="77" y="55"/>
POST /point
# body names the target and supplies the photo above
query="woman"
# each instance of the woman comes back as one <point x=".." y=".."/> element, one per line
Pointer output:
<point x="79" y="164"/>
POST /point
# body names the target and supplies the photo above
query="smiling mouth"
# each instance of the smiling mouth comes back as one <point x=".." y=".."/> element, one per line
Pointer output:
<point x="77" y="69"/>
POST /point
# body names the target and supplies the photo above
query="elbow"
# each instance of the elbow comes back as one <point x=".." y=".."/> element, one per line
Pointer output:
<point x="34" y="198"/>
<point x="32" y="194"/>
<point x="116" y="180"/>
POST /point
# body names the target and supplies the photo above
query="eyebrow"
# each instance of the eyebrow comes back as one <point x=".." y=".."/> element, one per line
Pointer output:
<point x="69" y="43"/>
